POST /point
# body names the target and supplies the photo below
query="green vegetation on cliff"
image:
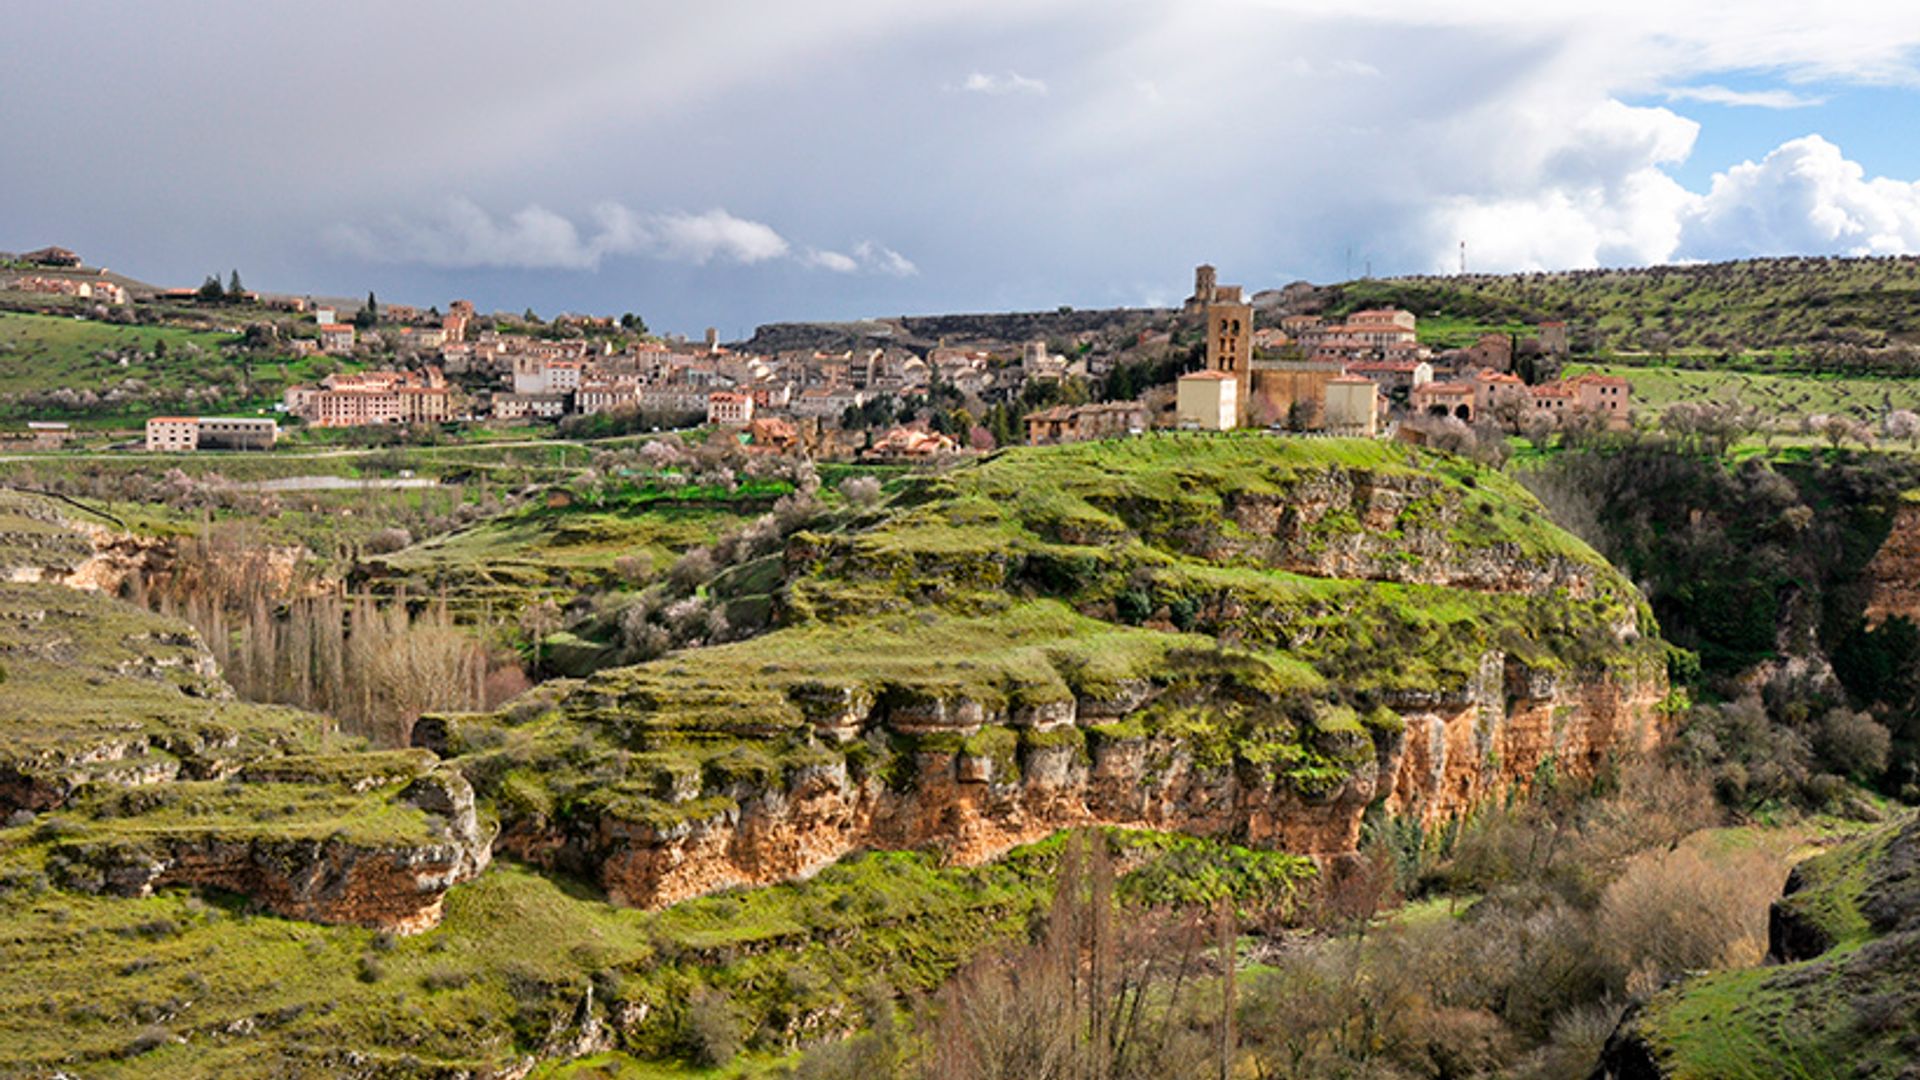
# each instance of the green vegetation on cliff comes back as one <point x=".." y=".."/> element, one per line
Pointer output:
<point x="1225" y="599"/>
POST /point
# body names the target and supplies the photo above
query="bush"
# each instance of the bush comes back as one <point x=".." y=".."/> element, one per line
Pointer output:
<point x="861" y="491"/>
<point x="693" y="569"/>
<point x="713" y="1028"/>
<point x="1853" y="743"/>
<point x="1677" y="911"/>
<point x="151" y="1038"/>
<point x="445" y="979"/>
<point x="633" y="569"/>
<point x="389" y="540"/>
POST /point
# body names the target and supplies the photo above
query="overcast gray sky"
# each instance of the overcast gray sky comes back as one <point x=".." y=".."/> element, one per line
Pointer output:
<point x="732" y="163"/>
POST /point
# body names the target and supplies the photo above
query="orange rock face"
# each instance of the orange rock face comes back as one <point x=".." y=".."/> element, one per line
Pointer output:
<point x="1893" y="574"/>
<point x="387" y="886"/>
<point x="1454" y="754"/>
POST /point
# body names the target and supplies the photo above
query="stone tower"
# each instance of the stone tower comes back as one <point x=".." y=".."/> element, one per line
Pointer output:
<point x="1204" y="289"/>
<point x="1230" y="339"/>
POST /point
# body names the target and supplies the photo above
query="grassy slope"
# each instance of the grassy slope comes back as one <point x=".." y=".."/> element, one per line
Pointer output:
<point x="1862" y="397"/>
<point x="515" y="953"/>
<point x="45" y="353"/>
<point x="998" y="585"/>
<point x="1847" y="1012"/>
<point x="1745" y="306"/>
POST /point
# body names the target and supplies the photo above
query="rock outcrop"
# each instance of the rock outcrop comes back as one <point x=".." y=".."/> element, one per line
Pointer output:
<point x="127" y="758"/>
<point x="1315" y="631"/>
<point x="1019" y="784"/>
<point x="1893" y="574"/>
<point x="387" y="884"/>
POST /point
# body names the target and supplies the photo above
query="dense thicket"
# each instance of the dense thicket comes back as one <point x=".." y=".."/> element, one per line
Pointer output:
<point x="1755" y="568"/>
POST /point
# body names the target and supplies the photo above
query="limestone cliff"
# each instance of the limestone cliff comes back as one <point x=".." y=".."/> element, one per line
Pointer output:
<point x="1250" y="638"/>
<point x="128" y="765"/>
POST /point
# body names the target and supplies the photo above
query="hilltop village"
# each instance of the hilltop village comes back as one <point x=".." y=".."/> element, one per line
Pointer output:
<point x="906" y="390"/>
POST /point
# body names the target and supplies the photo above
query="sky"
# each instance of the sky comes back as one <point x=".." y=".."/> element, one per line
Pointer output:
<point x="735" y="162"/>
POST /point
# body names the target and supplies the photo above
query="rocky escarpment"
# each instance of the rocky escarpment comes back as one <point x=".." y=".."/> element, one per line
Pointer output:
<point x="1838" y="997"/>
<point x="1253" y="639"/>
<point x="126" y="765"/>
<point x="392" y="878"/>
<point x="1893" y="574"/>
<point x="923" y="332"/>
<point x="972" y="779"/>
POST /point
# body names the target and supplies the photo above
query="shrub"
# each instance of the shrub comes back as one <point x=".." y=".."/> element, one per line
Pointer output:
<point x="151" y="1038"/>
<point x="1676" y="911"/>
<point x="1133" y="605"/>
<point x="1853" y="743"/>
<point x="713" y="1028"/>
<point x="386" y="541"/>
<point x="861" y="491"/>
<point x="692" y="570"/>
<point x="445" y="979"/>
<point x="633" y="569"/>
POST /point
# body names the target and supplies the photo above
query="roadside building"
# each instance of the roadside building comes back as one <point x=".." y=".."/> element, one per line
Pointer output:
<point x="237" y="433"/>
<point x="373" y="397"/>
<point x="189" y="433"/>
<point x="48" y="434"/>
<point x="173" y="433"/>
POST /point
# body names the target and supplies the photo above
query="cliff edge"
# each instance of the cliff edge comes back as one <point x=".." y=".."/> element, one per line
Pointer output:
<point x="1244" y="637"/>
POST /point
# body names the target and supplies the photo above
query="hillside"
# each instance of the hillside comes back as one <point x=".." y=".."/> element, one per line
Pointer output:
<point x="1244" y="637"/>
<point x="1754" y="305"/>
<point x="1231" y="646"/>
<point x="1839" y="999"/>
<point x="106" y="373"/>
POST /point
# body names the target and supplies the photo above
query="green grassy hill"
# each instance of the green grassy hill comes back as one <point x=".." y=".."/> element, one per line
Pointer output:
<point x="1038" y="574"/>
<point x="55" y="368"/>
<point x="1754" y="305"/>
<point x="1843" y="1001"/>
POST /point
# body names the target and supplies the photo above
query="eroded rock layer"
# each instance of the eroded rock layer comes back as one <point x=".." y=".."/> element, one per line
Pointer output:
<point x="1253" y="638"/>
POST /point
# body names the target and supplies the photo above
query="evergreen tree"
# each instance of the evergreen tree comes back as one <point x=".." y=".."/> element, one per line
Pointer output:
<point x="210" y="290"/>
<point x="369" y="315"/>
<point x="235" y="290"/>
<point x="1000" y="426"/>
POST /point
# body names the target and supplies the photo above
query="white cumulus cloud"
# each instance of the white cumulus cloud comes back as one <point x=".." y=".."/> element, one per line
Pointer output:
<point x="831" y="260"/>
<point x="1007" y="82"/>
<point x="867" y="257"/>
<point x="1803" y="197"/>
